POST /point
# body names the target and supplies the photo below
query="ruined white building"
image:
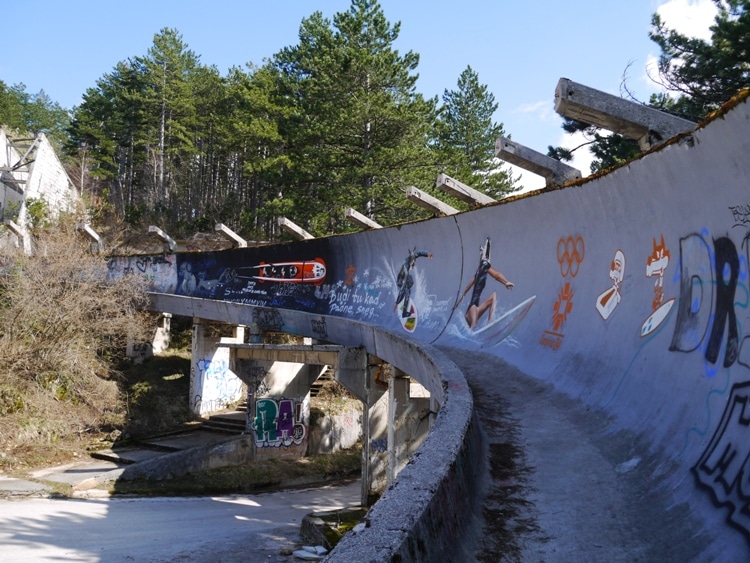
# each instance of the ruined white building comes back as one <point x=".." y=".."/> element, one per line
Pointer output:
<point x="29" y="169"/>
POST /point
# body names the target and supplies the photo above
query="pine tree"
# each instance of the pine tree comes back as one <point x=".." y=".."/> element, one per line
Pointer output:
<point x="705" y="74"/>
<point x="32" y="113"/>
<point x="358" y="132"/>
<point x="467" y="135"/>
<point x="169" y="109"/>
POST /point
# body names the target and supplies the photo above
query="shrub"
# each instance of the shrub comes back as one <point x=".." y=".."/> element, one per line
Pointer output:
<point x="63" y="331"/>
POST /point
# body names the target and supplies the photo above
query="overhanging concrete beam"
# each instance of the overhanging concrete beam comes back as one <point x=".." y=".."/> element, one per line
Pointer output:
<point x="230" y="235"/>
<point x="363" y="221"/>
<point x="294" y="230"/>
<point x="164" y="237"/>
<point x="553" y="171"/>
<point x="24" y="240"/>
<point x="93" y="236"/>
<point x="646" y="125"/>
<point x="428" y="202"/>
<point x="462" y="191"/>
<point x="15" y="228"/>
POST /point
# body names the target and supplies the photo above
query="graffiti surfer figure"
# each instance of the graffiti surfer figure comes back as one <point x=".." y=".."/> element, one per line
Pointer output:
<point x="405" y="281"/>
<point x="476" y="310"/>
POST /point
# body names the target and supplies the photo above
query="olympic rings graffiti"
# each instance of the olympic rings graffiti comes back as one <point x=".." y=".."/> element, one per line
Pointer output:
<point x="570" y="253"/>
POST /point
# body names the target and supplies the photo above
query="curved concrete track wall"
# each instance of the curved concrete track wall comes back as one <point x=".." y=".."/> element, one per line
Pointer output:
<point x="630" y="294"/>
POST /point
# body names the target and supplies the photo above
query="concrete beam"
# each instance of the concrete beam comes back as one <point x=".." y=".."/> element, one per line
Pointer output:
<point x="553" y="171"/>
<point x="363" y="221"/>
<point x="317" y="354"/>
<point x="16" y="229"/>
<point x="352" y="371"/>
<point x="230" y="235"/>
<point x="93" y="236"/>
<point x="462" y="191"/>
<point x="24" y="239"/>
<point x="428" y="202"/>
<point x="293" y="229"/>
<point x="164" y="237"/>
<point x="646" y="125"/>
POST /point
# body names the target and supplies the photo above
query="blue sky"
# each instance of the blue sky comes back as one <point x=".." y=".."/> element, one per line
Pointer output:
<point x="518" y="49"/>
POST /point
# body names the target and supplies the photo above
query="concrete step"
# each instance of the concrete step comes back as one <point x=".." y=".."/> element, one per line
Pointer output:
<point x="231" y="422"/>
<point x="318" y="383"/>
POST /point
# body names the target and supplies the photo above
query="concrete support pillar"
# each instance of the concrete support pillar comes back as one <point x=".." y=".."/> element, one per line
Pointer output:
<point x="374" y="429"/>
<point x="213" y="383"/>
<point x="97" y="245"/>
<point x="353" y="373"/>
<point x="398" y="398"/>
<point x="163" y="334"/>
<point x="23" y="237"/>
<point x="197" y="346"/>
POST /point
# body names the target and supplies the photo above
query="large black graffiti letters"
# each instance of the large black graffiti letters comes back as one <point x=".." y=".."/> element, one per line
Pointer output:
<point x="695" y="289"/>
<point x="726" y="259"/>
<point x="697" y="304"/>
<point x="724" y="467"/>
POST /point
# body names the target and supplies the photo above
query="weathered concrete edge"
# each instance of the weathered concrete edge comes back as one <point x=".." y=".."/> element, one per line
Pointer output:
<point x="425" y="513"/>
<point x="233" y="450"/>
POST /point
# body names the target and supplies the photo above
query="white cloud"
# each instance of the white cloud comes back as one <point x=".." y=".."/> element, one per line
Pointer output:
<point x="689" y="17"/>
<point x="543" y="110"/>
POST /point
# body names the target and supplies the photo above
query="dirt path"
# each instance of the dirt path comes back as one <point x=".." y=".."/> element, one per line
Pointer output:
<point x="559" y="487"/>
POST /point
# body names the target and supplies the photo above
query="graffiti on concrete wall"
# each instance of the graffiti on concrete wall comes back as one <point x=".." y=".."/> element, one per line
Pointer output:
<point x="711" y="310"/>
<point x="268" y="319"/>
<point x="318" y="328"/>
<point x="571" y="251"/>
<point x="656" y="265"/>
<point x="379" y="446"/>
<point x="278" y="422"/>
<point x="404" y="306"/>
<point x="724" y="467"/>
<point x="609" y="299"/>
<point x="160" y="270"/>
<point x="355" y="295"/>
<point x="480" y="317"/>
<point x="219" y="386"/>
<point x="708" y="280"/>
<point x="740" y="215"/>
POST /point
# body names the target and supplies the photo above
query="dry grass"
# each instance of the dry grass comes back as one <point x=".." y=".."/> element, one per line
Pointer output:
<point x="62" y="334"/>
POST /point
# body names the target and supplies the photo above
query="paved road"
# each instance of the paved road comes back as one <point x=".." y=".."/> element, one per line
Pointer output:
<point x="190" y="529"/>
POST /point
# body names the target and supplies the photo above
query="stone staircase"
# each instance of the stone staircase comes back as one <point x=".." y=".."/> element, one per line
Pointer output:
<point x="229" y="422"/>
<point x="319" y="383"/>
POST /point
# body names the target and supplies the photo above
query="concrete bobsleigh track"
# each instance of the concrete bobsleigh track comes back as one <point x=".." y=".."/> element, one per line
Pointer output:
<point x="629" y="298"/>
